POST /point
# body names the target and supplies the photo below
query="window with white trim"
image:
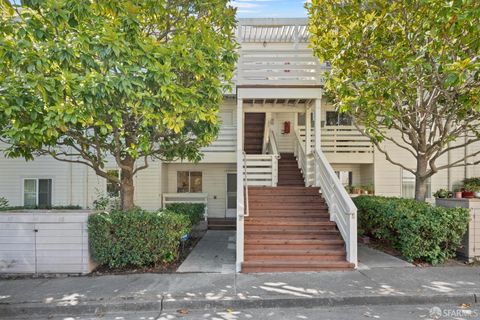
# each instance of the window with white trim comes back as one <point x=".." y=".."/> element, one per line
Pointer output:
<point x="37" y="193"/>
<point x="408" y="185"/>
<point x="189" y="181"/>
<point x="113" y="188"/>
<point x="335" y="118"/>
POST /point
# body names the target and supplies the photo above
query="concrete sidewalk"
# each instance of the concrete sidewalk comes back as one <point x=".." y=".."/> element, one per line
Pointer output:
<point x="215" y="253"/>
<point x="155" y="292"/>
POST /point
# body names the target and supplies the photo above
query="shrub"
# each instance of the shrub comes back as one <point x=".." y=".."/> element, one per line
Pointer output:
<point x="194" y="211"/>
<point x="3" y="203"/>
<point x="106" y="203"/>
<point x="418" y="230"/>
<point x="136" y="238"/>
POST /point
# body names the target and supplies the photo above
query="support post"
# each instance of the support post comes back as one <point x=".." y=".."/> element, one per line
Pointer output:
<point x="240" y="185"/>
<point x="318" y="127"/>
<point x="308" y="143"/>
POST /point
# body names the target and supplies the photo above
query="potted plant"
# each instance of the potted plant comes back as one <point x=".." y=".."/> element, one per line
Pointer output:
<point x="364" y="189"/>
<point x="441" y="193"/>
<point x="457" y="193"/>
<point x="473" y="185"/>
<point x="356" y="190"/>
<point x="370" y="188"/>
<point x="469" y="190"/>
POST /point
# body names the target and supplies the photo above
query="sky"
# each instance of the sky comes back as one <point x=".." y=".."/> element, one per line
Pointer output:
<point x="270" y="8"/>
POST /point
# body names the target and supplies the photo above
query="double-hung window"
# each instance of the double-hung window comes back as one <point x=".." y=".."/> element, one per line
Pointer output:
<point x="189" y="181"/>
<point x="37" y="193"/>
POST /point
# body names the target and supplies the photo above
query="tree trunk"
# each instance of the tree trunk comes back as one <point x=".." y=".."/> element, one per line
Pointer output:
<point x="421" y="182"/>
<point x="127" y="189"/>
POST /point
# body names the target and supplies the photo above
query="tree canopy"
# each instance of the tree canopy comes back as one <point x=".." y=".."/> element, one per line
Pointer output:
<point x="127" y="80"/>
<point x="408" y="71"/>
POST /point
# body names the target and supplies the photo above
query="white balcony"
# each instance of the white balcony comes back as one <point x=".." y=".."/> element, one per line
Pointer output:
<point x="279" y="67"/>
<point x="343" y="144"/>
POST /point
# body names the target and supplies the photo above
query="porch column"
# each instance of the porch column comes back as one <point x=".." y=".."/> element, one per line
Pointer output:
<point x="240" y="185"/>
<point x="308" y="143"/>
<point x="318" y="125"/>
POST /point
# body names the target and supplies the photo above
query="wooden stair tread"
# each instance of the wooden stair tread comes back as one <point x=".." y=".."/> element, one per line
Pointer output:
<point x="303" y="252"/>
<point x="292" y="222"/>
<point x="292" y="241"/>
<point x="295" y="265"/>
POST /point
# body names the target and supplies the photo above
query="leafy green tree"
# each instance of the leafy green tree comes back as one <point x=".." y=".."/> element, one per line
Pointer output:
<point x="408" y="71"/>
<point x="129" y="81"/>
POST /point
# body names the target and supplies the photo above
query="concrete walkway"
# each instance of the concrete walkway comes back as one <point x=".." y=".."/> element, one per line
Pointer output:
<point x="214" y="253"/>
<point x="369" y="258"/>
<point x="154" y="292"/>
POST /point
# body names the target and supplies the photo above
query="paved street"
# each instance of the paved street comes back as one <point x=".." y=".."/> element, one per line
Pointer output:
<point x="395" y="312"/>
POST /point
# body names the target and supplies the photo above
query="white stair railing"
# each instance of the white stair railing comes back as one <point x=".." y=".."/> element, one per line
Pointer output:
<point x="299" y="153"/>
<point x="262" y="169"/>
<point x="341" y="207"/>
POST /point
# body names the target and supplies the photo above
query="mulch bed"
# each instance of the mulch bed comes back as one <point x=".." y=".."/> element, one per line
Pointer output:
<point x="384" y="246"/>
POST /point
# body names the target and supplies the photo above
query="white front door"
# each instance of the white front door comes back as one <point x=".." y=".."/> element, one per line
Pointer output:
<point x="231" y="211"/>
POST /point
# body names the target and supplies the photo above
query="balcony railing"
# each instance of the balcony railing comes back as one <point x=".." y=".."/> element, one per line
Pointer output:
<point x="279" y="67"/>
<point x="340" y="140"/>
<point x="226" y="140"/>
<point x="261" y="169"/>
<point x="344" y="139"/>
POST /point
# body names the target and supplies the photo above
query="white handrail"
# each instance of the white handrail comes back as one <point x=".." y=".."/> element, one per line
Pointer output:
<point x="299" y="152"/>
<point x="273" y="145"/>
<point x="341" y="207"/>
<point x="247" y="209"/>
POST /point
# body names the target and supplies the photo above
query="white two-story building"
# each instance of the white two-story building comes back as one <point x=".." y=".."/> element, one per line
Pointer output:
<point x="278" y="169"/>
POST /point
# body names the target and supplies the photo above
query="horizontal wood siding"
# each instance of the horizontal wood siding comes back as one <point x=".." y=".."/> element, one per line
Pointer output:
<point x="214" y="183"/>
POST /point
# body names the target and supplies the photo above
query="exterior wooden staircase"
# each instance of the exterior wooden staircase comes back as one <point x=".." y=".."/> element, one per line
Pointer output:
<point x="288" y="172"/>
<point x="254" y="129"/>
<point x="289" y="228"/>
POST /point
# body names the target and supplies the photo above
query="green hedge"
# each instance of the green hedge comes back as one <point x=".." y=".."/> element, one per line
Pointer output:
<point x="194" y="211"/>
<point x="136" y="238"/>
<point x="418" y="230"/>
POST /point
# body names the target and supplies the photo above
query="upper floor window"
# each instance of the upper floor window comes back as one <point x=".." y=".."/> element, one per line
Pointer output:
<point x="37" y="193"/>
<point x="113" y="188"/>
<point x="189" y="181"/>
<point x="335" y="118"/>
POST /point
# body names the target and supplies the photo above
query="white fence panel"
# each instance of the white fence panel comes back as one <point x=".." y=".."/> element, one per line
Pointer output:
<point x="44" y="242"/>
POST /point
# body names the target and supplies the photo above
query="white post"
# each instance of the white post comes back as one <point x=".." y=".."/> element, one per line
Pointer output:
<point x="318" y="128"/>
<point x="240" y="184"/>
<point x="308" y="143"/>
<point x="274" y="170"/>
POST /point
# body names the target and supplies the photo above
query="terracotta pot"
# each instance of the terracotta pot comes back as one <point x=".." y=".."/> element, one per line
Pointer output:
<point x="468" y="194"/>
<point x="458" y="195"/>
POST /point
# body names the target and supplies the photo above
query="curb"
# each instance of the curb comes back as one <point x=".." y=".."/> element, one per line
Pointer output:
<point x="100" y="307"/>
